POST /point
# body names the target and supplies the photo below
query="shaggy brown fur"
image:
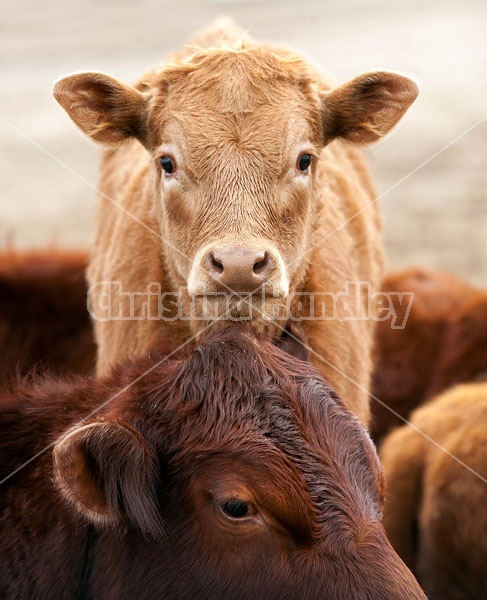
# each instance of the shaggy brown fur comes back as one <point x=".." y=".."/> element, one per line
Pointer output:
<point x="435" y="511"/>
<point x="44" y="323"/>
<point x="234" y="117"/>
<point x="444" y="342"/>
<point x="228" y="472"/>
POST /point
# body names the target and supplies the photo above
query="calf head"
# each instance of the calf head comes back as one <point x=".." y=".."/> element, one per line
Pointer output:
<point x="234" y="135"/>
<point x="248" y="478"/>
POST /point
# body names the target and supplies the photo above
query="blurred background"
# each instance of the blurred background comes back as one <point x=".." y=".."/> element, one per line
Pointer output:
<point x="431" y="172"/>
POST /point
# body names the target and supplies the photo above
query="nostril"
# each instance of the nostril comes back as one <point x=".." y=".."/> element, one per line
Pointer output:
<point x="215" y="263"/>
<point x="260" y="265"/>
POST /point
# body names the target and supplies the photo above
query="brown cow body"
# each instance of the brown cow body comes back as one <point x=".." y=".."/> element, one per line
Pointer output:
<point x="230" y="169"/>
<point x="435" y="510"/>
<point x="444" y="342"/>
<point x="205" y="476"/>
<point x="44" y="322"/>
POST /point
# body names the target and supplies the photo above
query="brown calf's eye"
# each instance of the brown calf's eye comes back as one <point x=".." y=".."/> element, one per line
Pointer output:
<point x="304" y="162"/>
<point x="237" y="509"/>
<point x="167" y="164"/>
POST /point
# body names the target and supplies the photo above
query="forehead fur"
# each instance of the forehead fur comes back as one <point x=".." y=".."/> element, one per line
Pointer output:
<point x="225" y="89"/>
<point x="236" y="77"/>
<point x="237" y="396"/>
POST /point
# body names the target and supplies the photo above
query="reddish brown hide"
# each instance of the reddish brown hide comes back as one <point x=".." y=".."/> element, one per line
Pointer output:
<point x="44" y="323"/>
<point x="435" y="511"/>
<point x="443" y="342"/>
<point x="232" y="471"/>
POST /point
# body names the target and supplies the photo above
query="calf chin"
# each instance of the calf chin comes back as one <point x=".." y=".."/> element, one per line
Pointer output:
<point x="241" y="314"/>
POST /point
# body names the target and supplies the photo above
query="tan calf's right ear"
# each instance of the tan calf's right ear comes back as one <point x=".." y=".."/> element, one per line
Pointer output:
<point x="103" y="108"/>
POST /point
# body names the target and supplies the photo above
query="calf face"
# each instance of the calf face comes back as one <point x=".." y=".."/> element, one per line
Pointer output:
<point x="234" y="135"/>
<point x="231" y="478"/>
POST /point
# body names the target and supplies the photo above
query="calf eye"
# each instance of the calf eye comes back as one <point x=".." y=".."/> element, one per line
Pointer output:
<point x="237" y="509"/>
<point x="304" y="162"/>
<point x="167" y="164"/>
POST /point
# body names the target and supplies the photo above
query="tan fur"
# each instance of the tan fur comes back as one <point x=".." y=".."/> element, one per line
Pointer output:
<point x="435" y="507"/>
<point x="235" y="116"/>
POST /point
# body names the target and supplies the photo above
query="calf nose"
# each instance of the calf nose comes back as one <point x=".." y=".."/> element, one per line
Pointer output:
<point x="241" y="269"/>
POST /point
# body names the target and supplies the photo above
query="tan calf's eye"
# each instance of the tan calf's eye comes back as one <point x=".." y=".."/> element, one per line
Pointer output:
<point x="167" y="164"/>
<point x="304" y="161"/>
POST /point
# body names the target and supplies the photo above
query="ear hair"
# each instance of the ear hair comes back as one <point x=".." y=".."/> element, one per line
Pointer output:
<point x="103" y="108"/>
<point x="366" y="108"/>
<point x="107" y="471"/>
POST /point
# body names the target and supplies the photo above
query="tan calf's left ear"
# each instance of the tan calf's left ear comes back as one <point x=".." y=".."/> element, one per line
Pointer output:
<point x="105" y="109"/>
<point x="368" y="107"/>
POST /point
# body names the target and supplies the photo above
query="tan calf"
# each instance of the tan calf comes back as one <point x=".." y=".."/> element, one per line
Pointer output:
<point x="219" y="177"/>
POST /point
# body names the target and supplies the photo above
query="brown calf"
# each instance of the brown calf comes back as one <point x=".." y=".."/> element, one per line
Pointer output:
<point x="444" y="342"/>
<point x="435" y="511"/>
<point x="229" y="472"/>
<point x="44" y="322"/>
<point x="231" y="170"/>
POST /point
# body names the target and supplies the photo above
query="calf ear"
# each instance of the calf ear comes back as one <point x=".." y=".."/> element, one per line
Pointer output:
<point x="107" y="471"/>
<point x="103" y="108"/>
<point x="366" y="108"/>
<point x="294" y="343"/>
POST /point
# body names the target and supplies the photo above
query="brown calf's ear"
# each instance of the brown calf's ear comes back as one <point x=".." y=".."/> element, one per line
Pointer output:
<point x="294" y="343"/>
<point x="368" y="107"/>
<point x="107" y="470"/>
<point x="103" y="108"/>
